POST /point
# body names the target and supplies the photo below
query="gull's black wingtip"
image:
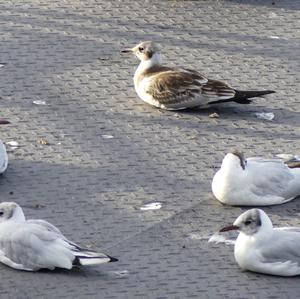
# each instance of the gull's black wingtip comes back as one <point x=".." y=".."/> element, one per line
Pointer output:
<point x="243" y="96"/>
<point x="113" y="259"/>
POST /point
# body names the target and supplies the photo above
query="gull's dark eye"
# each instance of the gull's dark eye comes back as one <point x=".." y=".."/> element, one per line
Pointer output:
<point x="141" y="49"/>
<point x="1" y="213"/>
<point x="247" y="222"/>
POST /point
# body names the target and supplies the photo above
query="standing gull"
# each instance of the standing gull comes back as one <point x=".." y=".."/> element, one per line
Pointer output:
<point x="37" y="244"/>
<point x="180" y="88"/>
<point x="264" y="249"/>
<point x="256" y="181"/>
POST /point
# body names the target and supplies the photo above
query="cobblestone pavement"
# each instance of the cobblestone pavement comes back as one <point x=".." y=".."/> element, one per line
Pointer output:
<point x="67" y="53"/>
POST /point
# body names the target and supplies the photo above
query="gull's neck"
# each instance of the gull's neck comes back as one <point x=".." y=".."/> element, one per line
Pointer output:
<point x="18" y="215"/>
<point x="230" y="165"/>
<point x="144" y="66"/>
<point x="147" y="64"/>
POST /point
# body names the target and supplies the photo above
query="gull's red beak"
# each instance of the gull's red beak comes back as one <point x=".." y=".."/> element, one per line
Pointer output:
<point x="228" y="228"/>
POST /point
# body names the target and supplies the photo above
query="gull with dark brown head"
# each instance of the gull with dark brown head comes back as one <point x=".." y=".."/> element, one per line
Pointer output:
<point x="37" y="244"/>
<point x="180" y="88"/>
<point x="256" y="181"/>
<point x="264" y="249"/>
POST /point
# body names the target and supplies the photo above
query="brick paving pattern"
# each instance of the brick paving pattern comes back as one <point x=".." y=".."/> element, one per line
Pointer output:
<point x="67" y="53"/>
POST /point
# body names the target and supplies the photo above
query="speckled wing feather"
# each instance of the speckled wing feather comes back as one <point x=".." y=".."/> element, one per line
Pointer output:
<point x="218" y="91"/>
<point x="173" y="86"/>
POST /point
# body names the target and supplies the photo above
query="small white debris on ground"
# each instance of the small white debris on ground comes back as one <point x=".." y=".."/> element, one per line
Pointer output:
<point x="121" y="273"/>
<point x="195" y="236"/>
<point x="151" y="206"/>
<point x="288" y="157"/>
<point x="265" y="115"/>
<point x="12" y="144"/>
<point x="107" y="136"/>
<point x="214" y="115"/>
<point x="217" y="238"/>
<point x="273" y="15"/>
<point x="39" y="102"/>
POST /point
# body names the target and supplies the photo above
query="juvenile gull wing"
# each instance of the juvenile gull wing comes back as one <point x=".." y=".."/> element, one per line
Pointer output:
<point x="217" y="91"/>
<point x="178" y="85"/>
<point x="174" y="86"/>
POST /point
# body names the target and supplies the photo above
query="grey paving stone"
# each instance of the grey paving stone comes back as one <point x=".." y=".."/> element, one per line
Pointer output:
<point x="67" y="54"/>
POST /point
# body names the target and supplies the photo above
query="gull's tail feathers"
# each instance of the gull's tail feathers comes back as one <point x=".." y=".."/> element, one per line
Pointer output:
<point x="88" y="258"/>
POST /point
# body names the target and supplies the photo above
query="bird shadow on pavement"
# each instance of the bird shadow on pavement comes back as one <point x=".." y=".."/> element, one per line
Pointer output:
<point x="282" y="116"/>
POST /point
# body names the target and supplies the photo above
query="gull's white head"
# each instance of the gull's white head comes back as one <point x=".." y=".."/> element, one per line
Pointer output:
<point x="235" y="159"/>
<point x="250" y="222"/>
<point x="11" y="211"/>
<point x="145" y="51"/>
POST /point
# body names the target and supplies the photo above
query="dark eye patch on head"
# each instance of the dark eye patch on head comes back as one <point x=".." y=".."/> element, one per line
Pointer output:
<point x="149" y="54"/>
<point x="240" y="155"/>
<point x="258" y="221"/>
<point x="247" y="222"/>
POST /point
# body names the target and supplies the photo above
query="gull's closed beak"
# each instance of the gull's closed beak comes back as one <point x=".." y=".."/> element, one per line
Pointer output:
<point x="127" y="51"/>
<point x="228" y="228"/>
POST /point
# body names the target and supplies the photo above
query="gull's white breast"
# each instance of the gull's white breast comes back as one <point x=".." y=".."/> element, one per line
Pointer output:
<point x="244" y="252"/>
<point x="141" y="87"/>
